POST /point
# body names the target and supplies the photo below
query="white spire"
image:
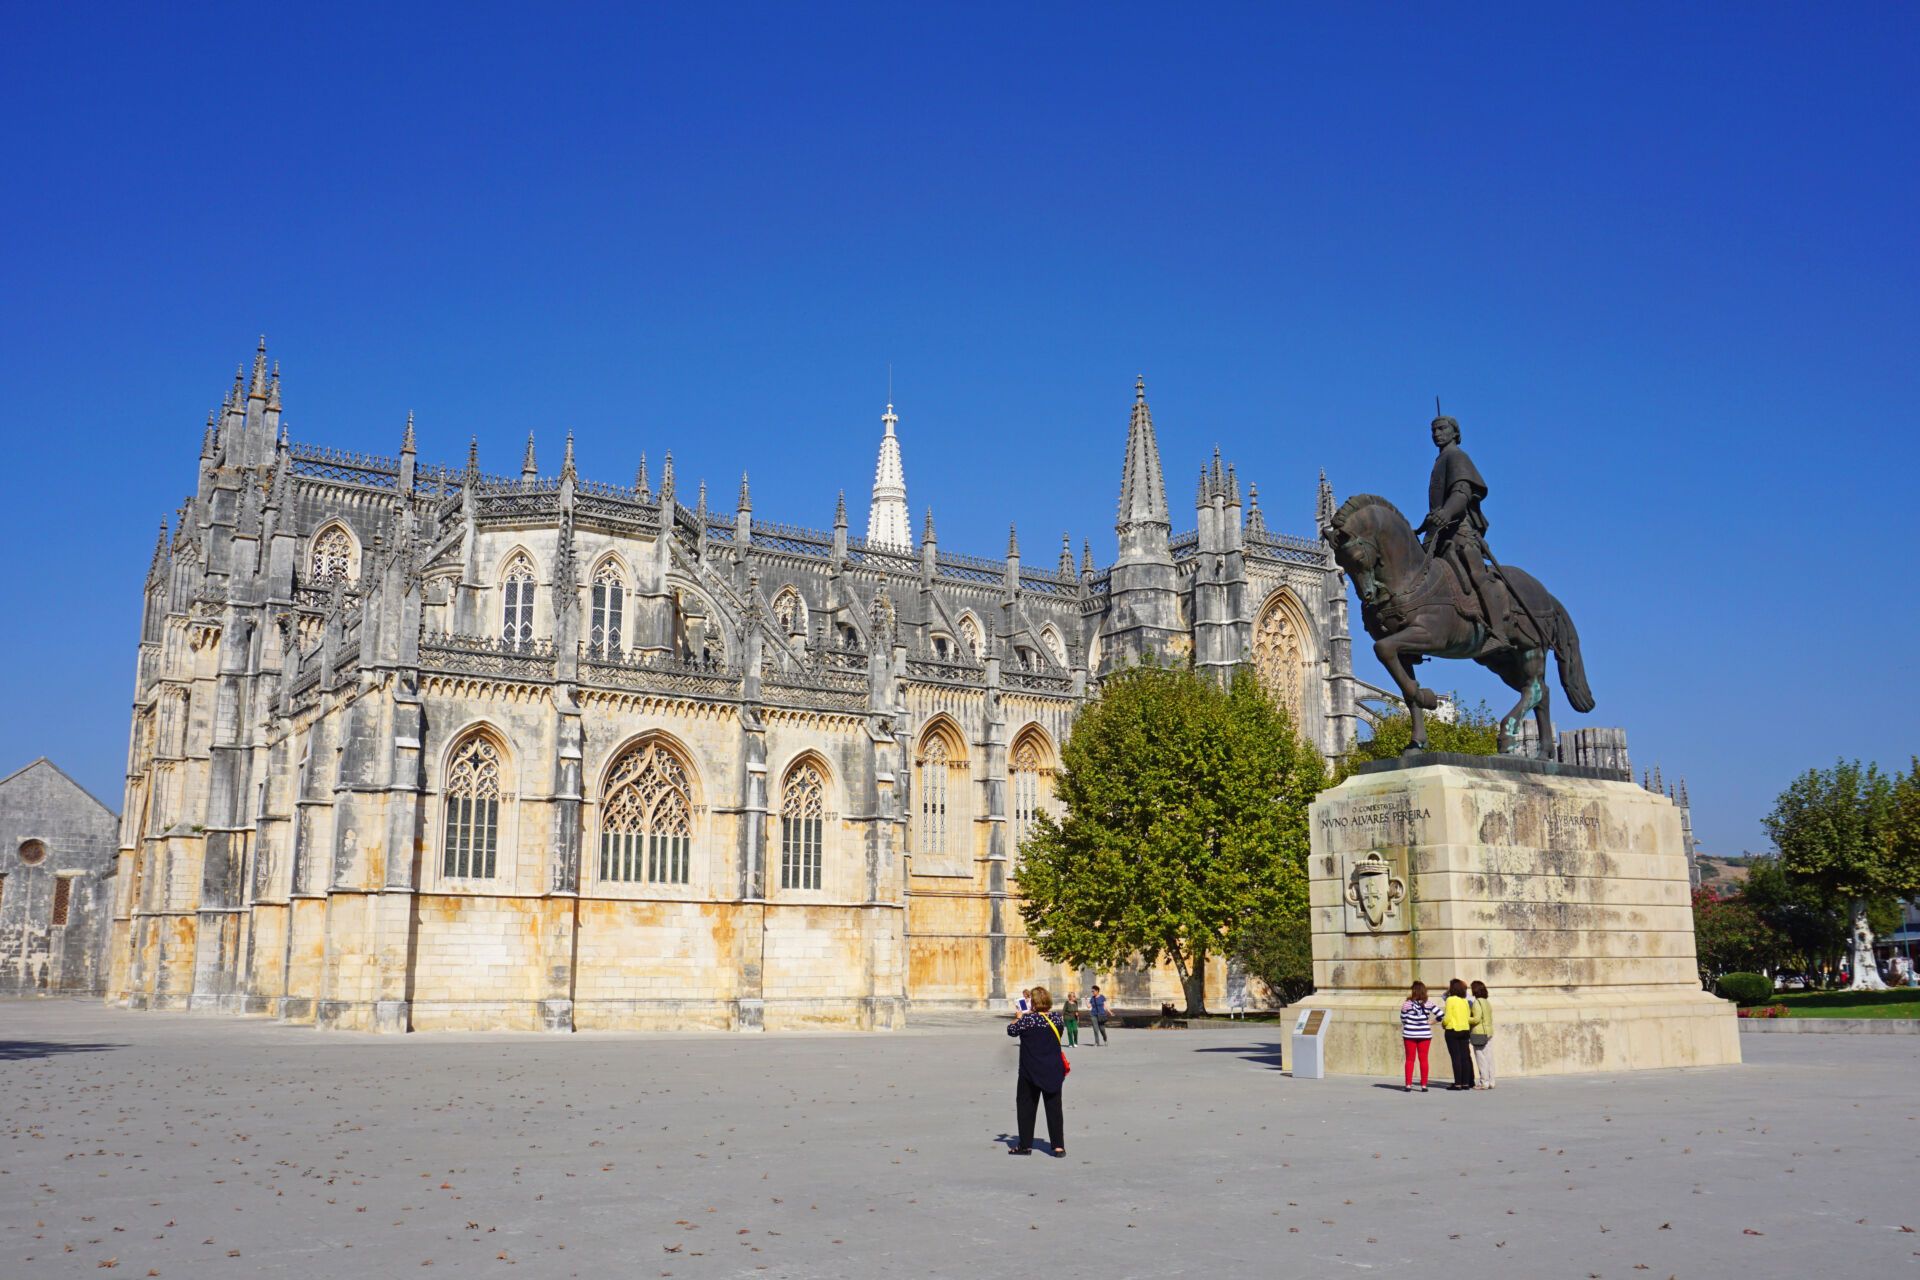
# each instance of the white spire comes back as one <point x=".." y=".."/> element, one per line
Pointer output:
<point x="887" y="523"/>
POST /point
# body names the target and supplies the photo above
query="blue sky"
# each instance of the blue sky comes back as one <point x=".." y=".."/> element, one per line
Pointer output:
<point x="1662" y="266"/>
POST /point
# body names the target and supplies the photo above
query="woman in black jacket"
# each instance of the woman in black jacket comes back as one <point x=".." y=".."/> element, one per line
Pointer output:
<point x="1042" y="1072"/>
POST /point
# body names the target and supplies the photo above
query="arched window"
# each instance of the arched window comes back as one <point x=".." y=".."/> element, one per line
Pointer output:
<point x="803" y="805"/>
<point x="790" y="612"/>
<point x="609" y="604"/>
<point x="941" y="786"/>
<point x="1281" y="653"/>
<point x="646" y="819"/>
<point x="473" y="809"/>
<point x="332" y="557"/>
<point x="969" y="636"/>
<point x="1055" y="646"/>
<point x="516" y="615"/>
<point x="1032" y="770"/>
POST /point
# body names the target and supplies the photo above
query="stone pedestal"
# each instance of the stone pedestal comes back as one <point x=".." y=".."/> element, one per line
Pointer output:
<point x="1564" y="891"/>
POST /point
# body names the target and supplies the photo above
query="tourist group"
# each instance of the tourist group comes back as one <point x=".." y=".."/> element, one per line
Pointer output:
<point x="1467" y="1018"/>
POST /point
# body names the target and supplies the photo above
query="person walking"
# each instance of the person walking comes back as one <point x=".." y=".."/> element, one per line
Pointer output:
<point x="1456" y="1018"/>
<point x="1480" y="1036"/>
<point x="1072" y="1012"/>
<point x="1042" y="1072"/>
<point x="1097" y="1005"/>
<point x="1417" y="1015"/>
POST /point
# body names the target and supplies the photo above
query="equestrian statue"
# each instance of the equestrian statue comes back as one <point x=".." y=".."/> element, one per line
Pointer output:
<point x="1437" y="592"/>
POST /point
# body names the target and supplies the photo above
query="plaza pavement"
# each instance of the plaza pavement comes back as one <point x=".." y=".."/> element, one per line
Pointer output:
<point x="185" y="1146"/>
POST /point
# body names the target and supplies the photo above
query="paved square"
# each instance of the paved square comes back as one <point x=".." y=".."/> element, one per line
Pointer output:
<point x="181" y="1146"/>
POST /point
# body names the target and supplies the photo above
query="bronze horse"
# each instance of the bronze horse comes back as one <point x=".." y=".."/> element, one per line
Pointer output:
<point x="1412" y="606"/>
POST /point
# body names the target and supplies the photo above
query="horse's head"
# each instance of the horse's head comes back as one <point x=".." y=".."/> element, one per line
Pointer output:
<point x="1372" y="541"/>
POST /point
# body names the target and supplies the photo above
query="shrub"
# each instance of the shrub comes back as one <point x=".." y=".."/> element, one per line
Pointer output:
<point x="1746" y="988"/>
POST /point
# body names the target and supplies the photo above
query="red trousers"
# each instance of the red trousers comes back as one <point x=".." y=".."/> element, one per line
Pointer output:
<point x="1417" y="1049"/>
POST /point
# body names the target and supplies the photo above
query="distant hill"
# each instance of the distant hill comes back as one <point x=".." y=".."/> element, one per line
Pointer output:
<point x="1723" y="873"/>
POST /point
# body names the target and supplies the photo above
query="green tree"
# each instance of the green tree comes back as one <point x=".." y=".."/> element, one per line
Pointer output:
<point x="1808" y="927"/>
<point x="1730" y="936"/>
<point x="1474" y="731"/>
<point x="1278" y="950"/>
<point x="1843" y="832"/>
<point x="1185" y="821"/>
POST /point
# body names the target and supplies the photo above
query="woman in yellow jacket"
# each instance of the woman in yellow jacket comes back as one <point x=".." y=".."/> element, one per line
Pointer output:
<point x="1456" y="1018"/>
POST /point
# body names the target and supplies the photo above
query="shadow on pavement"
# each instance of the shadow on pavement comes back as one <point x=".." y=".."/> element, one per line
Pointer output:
<point x="1266" y="1054"/>
<point x="21" y="1050"/>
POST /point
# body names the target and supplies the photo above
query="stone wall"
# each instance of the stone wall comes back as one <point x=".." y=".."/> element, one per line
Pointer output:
<point x="53" y="834"/>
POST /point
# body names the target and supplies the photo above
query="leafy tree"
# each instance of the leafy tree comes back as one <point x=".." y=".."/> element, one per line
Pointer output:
<point x="1474" y="731"/>
<point x="1278" y="950"/>
<point x="1809" y="929"/>
<point x="1186" y="821"/>
<point x="1846" y="833"/>
<point x="1730" y="935"/>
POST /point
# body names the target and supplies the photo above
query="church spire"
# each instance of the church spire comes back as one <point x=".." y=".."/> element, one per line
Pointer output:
<point x="1323" y="505"/>
<point x="746" y="498"/>
<point x="1143" y="491"/>
<point x="642" y="488"/>
<point x="1066" y="555"/>
<point x="567" y="471"/>
<point x="888" y="524"/>
<point x="259" y="384"/>
<point x="473" y="459"/>
<point x="528" y="467"/>
<point x="407" y="444"/>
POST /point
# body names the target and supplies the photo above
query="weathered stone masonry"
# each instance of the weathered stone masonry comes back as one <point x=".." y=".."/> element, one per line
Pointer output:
<point x="419" y="747"/>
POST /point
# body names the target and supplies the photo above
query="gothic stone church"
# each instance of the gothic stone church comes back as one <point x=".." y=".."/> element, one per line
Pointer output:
<point x="422" y="747"/>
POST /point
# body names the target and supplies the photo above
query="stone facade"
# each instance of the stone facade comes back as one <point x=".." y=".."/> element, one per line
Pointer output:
<point x="420" y="747"/>
<point x="57" y="858"/>
<point x="1568" y="895"/>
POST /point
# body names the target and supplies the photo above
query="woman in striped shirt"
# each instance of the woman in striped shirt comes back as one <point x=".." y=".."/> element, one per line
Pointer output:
<point x="1417" y="1014"/>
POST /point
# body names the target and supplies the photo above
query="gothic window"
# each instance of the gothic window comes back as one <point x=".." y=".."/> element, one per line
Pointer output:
<point x="1051" y="638"/>
<point x="942" y="648"/>
<point x="1032" y="769"/>
<point x="941" y="787"/>
<point x="646" y="821"/>
<point x="790" y="612"/>
<point x="609" y="604"/>
<point x="473" y="810"/>
<point x="802" y="825"/>
<point x="62" y="896"/>
<point x="517" y="588"/>
<point x="1280" y="654"/>
<point x="332" y="557"/>
<point x="970" y="636"/>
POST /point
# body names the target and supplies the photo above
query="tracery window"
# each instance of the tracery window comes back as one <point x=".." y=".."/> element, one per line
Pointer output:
<point x="62" y="895"/>
<point x="517" y="588"/>
<point x="1051" y="638"/>
<point x="970" y="636"/>
<point x="940" y="785"/>
<point x="609" y="604"/>
<point x="1032" y="770"/>
<point x="1279" y="656"/>
<point x="790" y="611"/>
<point x="802" y="825"/>
<point x="473" y="810"/>
<point x="646" y="823"/>
<point x="332" y="557"/>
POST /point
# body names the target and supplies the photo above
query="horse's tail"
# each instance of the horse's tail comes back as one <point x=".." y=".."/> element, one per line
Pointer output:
<point x="1573" y="672"/>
